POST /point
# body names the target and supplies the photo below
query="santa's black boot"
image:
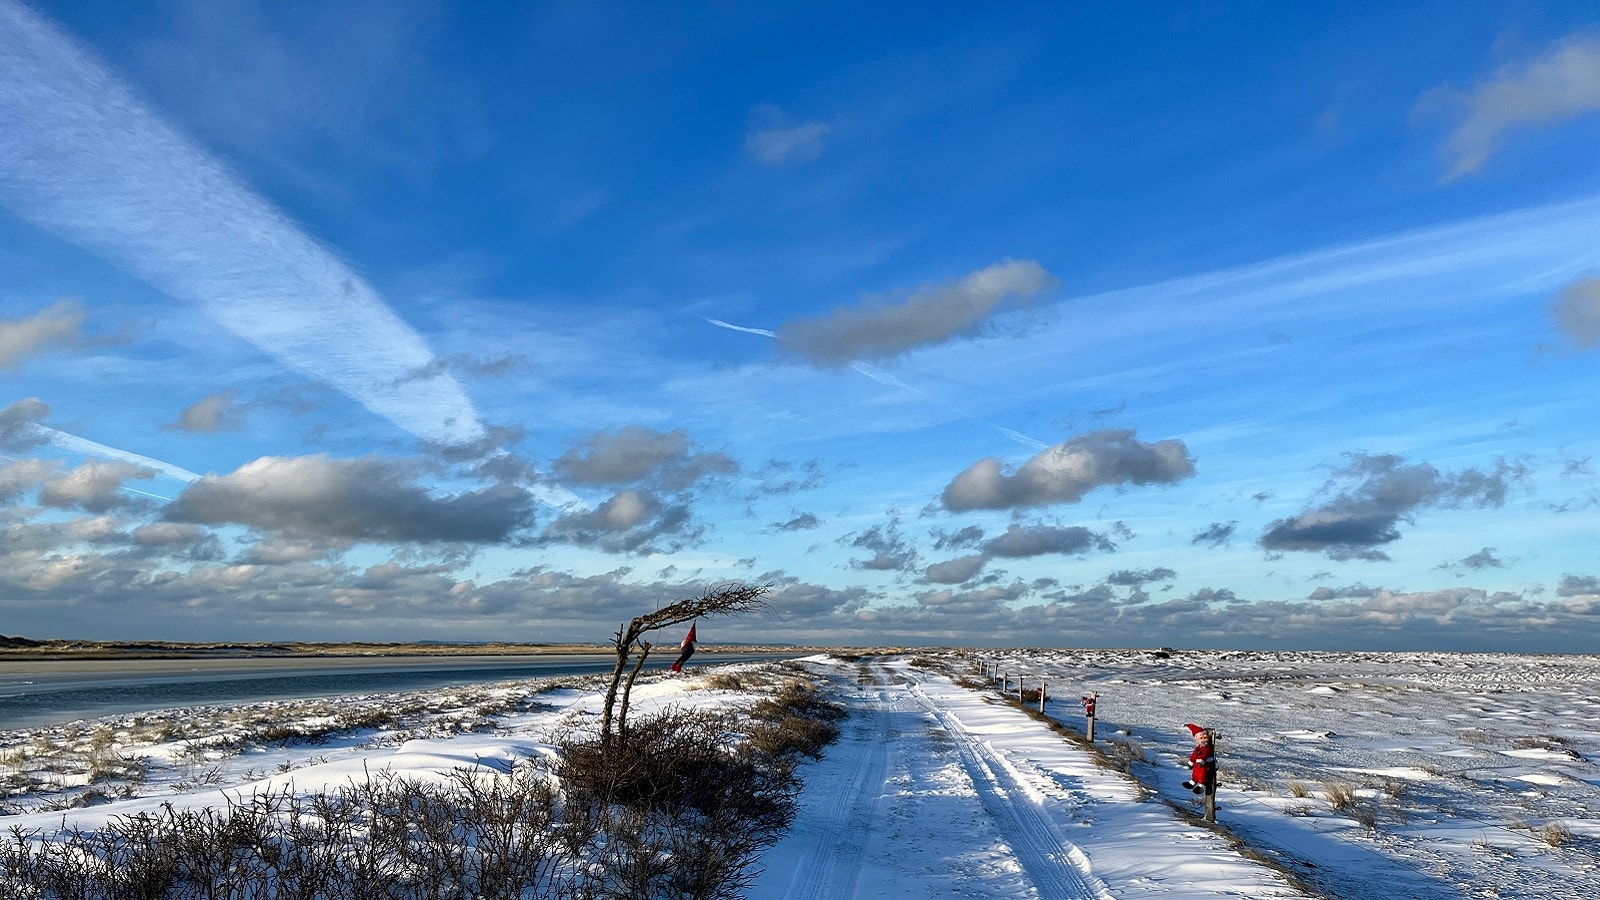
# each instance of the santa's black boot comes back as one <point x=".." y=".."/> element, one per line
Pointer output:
<point x="1189" y="785"/>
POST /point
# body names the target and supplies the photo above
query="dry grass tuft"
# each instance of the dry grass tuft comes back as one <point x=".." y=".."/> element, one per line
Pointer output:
<point x="724" y="681"/>
<point x="1341" y="794"/>
<point x="1556" y="834"/>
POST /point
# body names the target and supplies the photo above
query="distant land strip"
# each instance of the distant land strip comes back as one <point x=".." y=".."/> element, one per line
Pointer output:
<point x="22" y="648"/>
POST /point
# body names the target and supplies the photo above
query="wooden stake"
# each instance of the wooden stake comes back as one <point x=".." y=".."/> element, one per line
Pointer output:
<point x="1042" y="687"/>
<point x="1211" y="780"/>
<point x="1088" y="713"/>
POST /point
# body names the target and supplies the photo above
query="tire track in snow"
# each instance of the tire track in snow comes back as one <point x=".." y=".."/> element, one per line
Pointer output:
<point x="828" y="870"/>
<point x="1051" y="862"/>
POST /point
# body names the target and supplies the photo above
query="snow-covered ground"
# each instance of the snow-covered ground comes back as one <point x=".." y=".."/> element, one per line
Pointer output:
<point x="1470" y="775"/>
<point x="1473" y="775"/>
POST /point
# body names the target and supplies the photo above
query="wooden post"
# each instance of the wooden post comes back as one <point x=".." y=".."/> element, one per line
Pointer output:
<point x="1211" y="780"/>
<point x="1042" y="687"/>
<point x="1005" y="683"/>
<point x="1088" y="714"/>
<point x="1019" y="690"/>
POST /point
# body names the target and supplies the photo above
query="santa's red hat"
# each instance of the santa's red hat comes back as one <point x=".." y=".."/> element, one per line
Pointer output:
<point x="1194" y="729"/>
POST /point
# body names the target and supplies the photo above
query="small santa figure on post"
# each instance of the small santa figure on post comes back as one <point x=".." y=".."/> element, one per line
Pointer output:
<point x="1202" y="760"/>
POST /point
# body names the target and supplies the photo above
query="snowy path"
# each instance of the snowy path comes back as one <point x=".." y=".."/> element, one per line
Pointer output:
<point x="933" y="791"/>
<point x="1044" y="854"/>
<point x="841" y="800"/>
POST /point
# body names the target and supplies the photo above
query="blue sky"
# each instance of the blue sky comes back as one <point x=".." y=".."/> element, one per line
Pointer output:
<point x="1190" y="325"/>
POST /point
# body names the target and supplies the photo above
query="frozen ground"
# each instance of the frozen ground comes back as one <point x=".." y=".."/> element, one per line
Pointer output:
<point x="1471" y="776"/>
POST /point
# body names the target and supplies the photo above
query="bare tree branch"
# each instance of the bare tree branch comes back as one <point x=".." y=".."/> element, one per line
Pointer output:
<point x="722" y="599"/>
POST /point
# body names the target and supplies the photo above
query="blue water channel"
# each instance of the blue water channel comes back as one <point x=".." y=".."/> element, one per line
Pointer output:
<point x="51" y="696"/>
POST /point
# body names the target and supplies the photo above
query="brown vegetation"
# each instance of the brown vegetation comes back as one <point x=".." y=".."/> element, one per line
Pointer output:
<point x="678" y="812"/>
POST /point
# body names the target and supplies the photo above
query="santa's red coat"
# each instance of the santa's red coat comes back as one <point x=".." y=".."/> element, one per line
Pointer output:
<point x="1201" y="759"/>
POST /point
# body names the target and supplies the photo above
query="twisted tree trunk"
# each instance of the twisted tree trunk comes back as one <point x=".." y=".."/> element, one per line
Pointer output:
<point x="720" y="600"/>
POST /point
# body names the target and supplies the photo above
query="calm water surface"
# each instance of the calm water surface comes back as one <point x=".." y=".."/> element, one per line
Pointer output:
<point x="51" y="692"/>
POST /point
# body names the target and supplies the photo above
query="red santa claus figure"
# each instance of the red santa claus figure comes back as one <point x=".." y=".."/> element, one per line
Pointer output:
<point x="688" y="651"/>
<point x="1202" y="760"/>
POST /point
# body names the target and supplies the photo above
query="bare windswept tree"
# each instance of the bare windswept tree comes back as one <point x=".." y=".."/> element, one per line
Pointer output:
<point x="722" y="599"/>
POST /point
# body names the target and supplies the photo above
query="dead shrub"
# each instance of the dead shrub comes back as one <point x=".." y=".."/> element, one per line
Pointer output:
<point x="1366" y="814"/>
<point x="1556" y="834"/>
<point x="724" y="681"/>
<point x="678" y="811"/>
<point x="791" y="736"/>
<point x="1341" y="794"/>
<point x="1298" y="789"/>
<point x="388" y="838"/>
<point x="683" y="813"/>
<point x="1124" y="754"/>
<point x="797" y="697"/>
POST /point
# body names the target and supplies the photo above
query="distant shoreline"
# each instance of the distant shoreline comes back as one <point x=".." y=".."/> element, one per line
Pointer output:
<point x="14" y="649"/>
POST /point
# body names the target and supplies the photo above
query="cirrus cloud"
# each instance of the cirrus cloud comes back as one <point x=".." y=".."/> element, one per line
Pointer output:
<point x="777" y="140"/>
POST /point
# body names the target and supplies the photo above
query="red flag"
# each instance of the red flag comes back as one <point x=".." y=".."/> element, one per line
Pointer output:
<point x="688" y="651"/>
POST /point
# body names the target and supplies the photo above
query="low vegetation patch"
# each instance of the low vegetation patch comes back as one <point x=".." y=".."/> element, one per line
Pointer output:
<point x="1556" y="834"/>
<point x="1341" y="794"/>
<point x="678" y="806"/>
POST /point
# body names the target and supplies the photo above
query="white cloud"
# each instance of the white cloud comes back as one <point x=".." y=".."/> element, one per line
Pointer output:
<point x="1561" y="84"/>
<point x="932" y="315"/>
<point x="23" y="338"/>
<point x="1065" y="472"/>
<point x="1023" y="541"/>
<point x="635" y="453"/>
<point x="1577" y="311"/>
<point x="210" y="414"/>
<point x="23" y="475"/>
<point x="95" y="486"/>
<point x="19" y="424"/>
<point x="84" y="158"/>
<point x="955" y="571"/>
<point x="775" y="140"/>
<point x="1379" y="491"/>
<point x="367" y="499"/>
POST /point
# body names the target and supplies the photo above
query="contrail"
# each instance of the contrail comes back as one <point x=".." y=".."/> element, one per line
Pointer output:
<point x="84" y="158"/>
<point x="92" y="448"/>
<point x="882" y="377"/>
<point x="732" y="327"/>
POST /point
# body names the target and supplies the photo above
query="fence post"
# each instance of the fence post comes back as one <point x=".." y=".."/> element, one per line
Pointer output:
<point x="1211" y="779"/>
<point x="1088" y="713"/>
<point x="1042" y="687"/>
<point x="1019" y="689"/>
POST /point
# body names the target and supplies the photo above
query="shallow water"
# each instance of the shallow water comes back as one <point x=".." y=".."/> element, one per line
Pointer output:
<point x="51" y="692"/>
